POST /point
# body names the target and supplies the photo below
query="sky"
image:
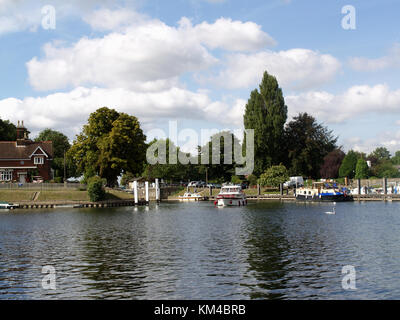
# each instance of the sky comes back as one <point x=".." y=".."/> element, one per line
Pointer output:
<point x="196" y="62"/>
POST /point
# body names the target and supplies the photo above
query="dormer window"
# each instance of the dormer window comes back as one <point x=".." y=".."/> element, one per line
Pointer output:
<point x="38" y="160"/>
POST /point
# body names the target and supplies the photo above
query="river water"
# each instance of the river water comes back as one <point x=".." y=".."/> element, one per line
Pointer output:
<point x="267" y="250"/>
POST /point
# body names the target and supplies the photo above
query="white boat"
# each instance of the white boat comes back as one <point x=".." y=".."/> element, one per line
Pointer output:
<point x="191" y="196"/>
<point x="323" y="191"/>
<point x="7" y="206"/>
<point x="231" y="196"/>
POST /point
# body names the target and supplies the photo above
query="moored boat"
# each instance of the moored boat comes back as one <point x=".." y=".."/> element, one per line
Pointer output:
<point x="7" y="206"/>
<point x="323" y="191"/>
<point x="191" y="196"/>
<point x="231" y="196"/>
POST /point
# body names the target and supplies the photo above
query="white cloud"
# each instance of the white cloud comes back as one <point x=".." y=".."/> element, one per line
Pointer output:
<point x="387" y="139"/>
<point x="354" y="102"/>
<point x="23" y="15"/>
<point x="68" y="111"/>
<point x="229" y="35"/>
<point x="223" y="33"/>
<point x="152" y="52"/>
<point x="142" y="53"/>
<point x="392" y="60"/>
<point x="106" y="19"/>
<point x="17" y="16"/>
<point x="294" y="69"/>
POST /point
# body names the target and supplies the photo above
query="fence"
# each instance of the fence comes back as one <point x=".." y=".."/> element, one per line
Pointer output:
<point x="41" y="186"/>
<point x="379" y="186"/>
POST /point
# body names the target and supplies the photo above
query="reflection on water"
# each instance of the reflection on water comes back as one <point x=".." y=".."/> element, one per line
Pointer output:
<point x="267" y="250"/>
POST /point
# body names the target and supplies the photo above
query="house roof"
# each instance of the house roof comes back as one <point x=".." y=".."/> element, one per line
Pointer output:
<point x="9" y="149"/>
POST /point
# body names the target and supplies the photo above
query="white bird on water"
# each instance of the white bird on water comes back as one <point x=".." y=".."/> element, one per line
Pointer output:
<point x="333" y="210"/>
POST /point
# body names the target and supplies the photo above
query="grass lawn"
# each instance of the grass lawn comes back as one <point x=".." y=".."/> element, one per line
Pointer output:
<point x="70" y="195"/>
<point x="118" y="195"/>
<point x="59" y="195"/>
<point x="16" y="195"/>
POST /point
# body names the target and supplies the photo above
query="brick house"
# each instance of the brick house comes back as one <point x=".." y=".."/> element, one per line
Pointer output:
<point x="23" y="159"/>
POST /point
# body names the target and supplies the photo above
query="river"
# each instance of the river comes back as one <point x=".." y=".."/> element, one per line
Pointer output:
<point x="267" y="250"/>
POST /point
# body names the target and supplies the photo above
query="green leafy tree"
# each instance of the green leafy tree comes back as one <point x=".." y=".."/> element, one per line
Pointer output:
<point x="396" y="158"/>
<point x="126" y="178"/>
<point x="349" y="163"/>
<point x="95" y="189"/>
<point x="274" y="176"/>
<point x="308" y="142"/>
<point x="362" y="170"/>
<point x="60" y="141"/>
<point x="381" y="153"/>
<point x="110" y="143"/>
<point x="385" y="169"/>
<point x="266" y="113"/>
<point x="225" y="168"/>
<point x="236" y="180"/>
<point x="60" y="145"/>
<point x="168" y="170"/>
<point x="8" y="131"/>
<point x="252" y="179"/>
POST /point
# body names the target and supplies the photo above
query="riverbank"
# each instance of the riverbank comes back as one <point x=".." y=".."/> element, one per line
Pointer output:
<point x="115" y="198"/>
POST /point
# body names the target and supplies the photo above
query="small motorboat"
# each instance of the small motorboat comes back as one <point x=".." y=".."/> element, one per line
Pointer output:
<point x="191" y="196"/>
<point x="232" y="195"/>
<point x="7" y="206"/>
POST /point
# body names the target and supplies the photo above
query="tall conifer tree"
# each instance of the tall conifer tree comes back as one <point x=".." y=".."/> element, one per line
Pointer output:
<point x="266" y="113"/>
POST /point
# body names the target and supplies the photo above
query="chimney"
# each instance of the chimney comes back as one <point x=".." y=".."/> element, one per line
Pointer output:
<point x="22" y="134"/>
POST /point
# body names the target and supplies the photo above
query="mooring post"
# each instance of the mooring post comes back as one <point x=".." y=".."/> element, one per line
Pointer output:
<point x="359" y="186"/>
<point x="258" y="189"/>
<point x="157" y="191"/>
<point x="385" y="186"/>
<point x="146" y="186"/>
<point x="135" y="192"/>
<point x="281" y="188"/>
<point x="210" y="188"/>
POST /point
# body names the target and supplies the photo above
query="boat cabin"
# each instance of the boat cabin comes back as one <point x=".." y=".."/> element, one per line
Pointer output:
<point x="231" y="189"/>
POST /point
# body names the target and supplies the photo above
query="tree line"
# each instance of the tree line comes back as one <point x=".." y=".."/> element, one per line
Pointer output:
<point x="112" y="144"/>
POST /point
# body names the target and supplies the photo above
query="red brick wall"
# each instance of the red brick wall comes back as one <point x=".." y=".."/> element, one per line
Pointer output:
<point x="44" y="170"/>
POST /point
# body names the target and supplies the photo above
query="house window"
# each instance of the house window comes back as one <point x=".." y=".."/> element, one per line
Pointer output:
<point x="38" y="160"/>
<point x="5" y="175"/>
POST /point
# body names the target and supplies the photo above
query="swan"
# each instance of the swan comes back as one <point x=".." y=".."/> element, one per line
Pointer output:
<point x="333" y="210"/>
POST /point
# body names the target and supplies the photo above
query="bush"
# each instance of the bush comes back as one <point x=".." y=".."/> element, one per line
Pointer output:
<point x="58" y="180"/>
<point x="252" y="179"/>
<point x="96" y="189"/>
<point x="236" y="180"/>
<point x="274" y="176"/>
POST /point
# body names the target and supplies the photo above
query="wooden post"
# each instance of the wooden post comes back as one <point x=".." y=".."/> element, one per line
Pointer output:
<point x="281" y="189"/>
<point x="210" y="187"/>
<point x="385" y="186"/>
<point x="359" y="186"/>
<point x="258" y="189"/>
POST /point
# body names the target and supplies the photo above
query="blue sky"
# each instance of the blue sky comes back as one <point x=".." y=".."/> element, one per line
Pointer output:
<point x="196" y="61"/>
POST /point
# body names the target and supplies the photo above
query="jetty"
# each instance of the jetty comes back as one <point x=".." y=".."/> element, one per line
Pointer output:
<point x="79" y="204"/>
